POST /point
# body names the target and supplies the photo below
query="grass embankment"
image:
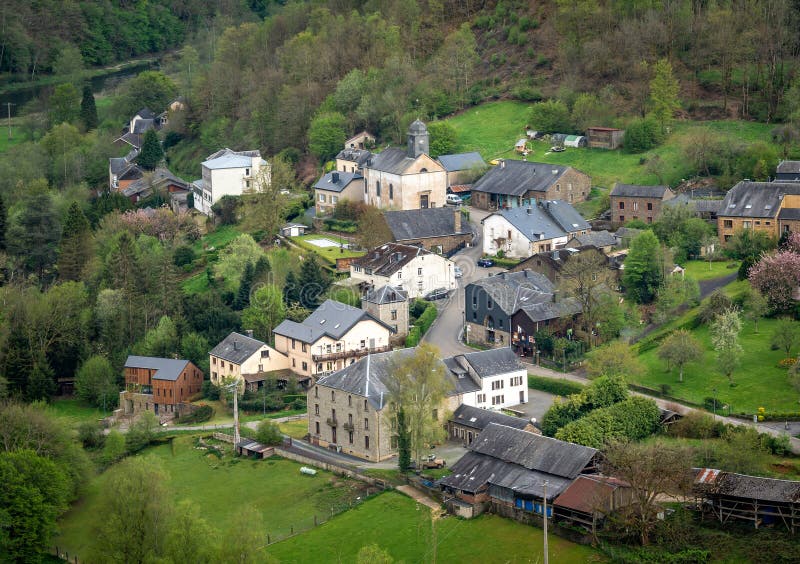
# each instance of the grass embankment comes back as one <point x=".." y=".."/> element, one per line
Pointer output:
<point x="403" y="528"/>
<point x="73" y="412"/>
<point x="221" y="487"/>
<point x="492" y="129"/>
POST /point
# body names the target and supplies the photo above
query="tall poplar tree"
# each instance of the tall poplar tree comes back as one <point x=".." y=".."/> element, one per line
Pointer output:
<point x="664" y="89"/>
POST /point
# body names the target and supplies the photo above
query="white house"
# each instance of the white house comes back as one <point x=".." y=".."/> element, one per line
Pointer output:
<point x="243" y="357"/>
<point x="525" y="231"/>
<point x="407" y="267"/>
<point x="491" y="379"/>
<point x="229" y="173"/>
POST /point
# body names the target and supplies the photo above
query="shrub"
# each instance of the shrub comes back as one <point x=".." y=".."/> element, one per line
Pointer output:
<point x="556" y="386"/>
<point x="632" y="419"/>
<point x="90" y="434"/>
<point x="268" y="433"/>
<point x="199" y="415"/>
<point x="601" y="392"/>
<point x="551" y="116"/>
<point x="642" y="135"/>
<point x="787" y="362"/>
<point x="696" y="425"/>
<point x="183" y="255"/>
<point x="210" y="391"/>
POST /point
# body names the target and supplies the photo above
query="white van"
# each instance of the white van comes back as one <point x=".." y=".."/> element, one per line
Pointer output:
<point x="453" y="200"/>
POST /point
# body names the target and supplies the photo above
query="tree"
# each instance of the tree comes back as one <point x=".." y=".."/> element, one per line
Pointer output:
<point x="643" y="274"/>
<point x="588" y="111"/>
<point x="313" y="282"/>
<point x="69" y="62"/>
<point x="372" y="228"/>
<point x="266" y="310"/>
<point x="194" y="347"/>
<point x="786" y="335"/>
<point x="725" y="340"/>
<point x="95" y="382"/>
<point x="161" y="341"/>
<point x="64" y="104"/>
<point x="3" y="217"/>
<point x="150" y="89"/>
<point x="75" y="248"/>
<point x="244" y="543"/>
<point x="113" y="448"/>
<point x="614" y="359"/>
<point x="718" y="302"/>
<point x="190" y="537"/>
<point x="777" y="276"/>
<point x="550" y="116"/>
<point x="679" y="349"/>
<point x="245" y="286"/>
<point x="33" y="234"/>
<point x="755" y="306"/>
<point x="418" y="387"/>
<point x="152" y="153"/>
<point x="444" y="138"/>
<point x="642" y="135"/>
<point x="664" y="89"/>
<point x="265" y="207"/>
<point x="585" y="276"/>
<point x="403" y="443"/>
<point x="88" y="112"/>
<point x="268" y="433"/>
<point x="233" y="260"/>
<point x="326" y="135"/>
<point x="747" y="245"/>
<point x="141" y="433"/>
<point x="652" y="470"/>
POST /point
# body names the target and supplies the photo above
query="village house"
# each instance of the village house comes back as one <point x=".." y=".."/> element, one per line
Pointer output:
<point x="511" y="471"/>
<point x="242" y="357"/>
<point x="462" y="168"/>
<point x="551" y="263"/>
<point x="390" y="305"/>
<point x="771" y="207"/>
<point x="439" y="230"/>
<point x="605" y="137"/>
<point x="353" y="161"/>
<point x="159" y="180"/>
<point x="122" y="171"/>
<point x="407" y="267"/>
<point x="335" y="186"/>
<point x="514" y="184"/>
<point x="603" y="241"/>
<point x="509" y="308"/>
<point x="332" y="337"/>
<point x="468" y="421"/>
<point x="164" y="386"/>
<point x="351" y="409"/>
<point x="630" y="202"/>
<point x="541" y="226"/>
<point x="141" y="123"/>
<point x="405" y="179"/>
<point x="229" y="173"/>
<point x="363" y="140"/>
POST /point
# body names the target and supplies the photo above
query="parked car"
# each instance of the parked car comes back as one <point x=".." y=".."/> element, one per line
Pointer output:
<point x="431" y="461"/>
<point x="457" y="272"/>
<point x="437" y="294"/>
<point x="485" y="262"/>
<point x="453" y="200"/>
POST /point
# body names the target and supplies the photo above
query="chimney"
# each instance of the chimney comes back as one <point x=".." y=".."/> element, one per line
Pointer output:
<point x="335" y="177"/>
<point x="457" y="221"/>
<point x="235" y="345"/>
<point x="249" y="333"/>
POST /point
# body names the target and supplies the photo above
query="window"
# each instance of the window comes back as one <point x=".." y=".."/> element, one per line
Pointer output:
<point x="649" y="206"/>
<point x="474" y="300"/>
<point x="350" y="437"/>
<point x="214" y="360"/>
<point x="649" y="219"/>
<point x="509" y="234"/>
<point x="294" y="363"/>
<point x="489" y="303"/>
<point x="214" y="376"/>
<point x="247" y="172"/>
<point x="365" y="405"/>
<point x="329" y="366"/>
<point x="481" y="398"/>
<point x="622" y="218"/>
<point x="363" y="343"/>
<point x="393" y="314"/>
<point x="328" y="349"/>
<point x="378" y="188"/>
<point x="558" y="187"/>
<point x="622" y="205"/>
<point x="366" y="424"/>
<point x="399" y="274"/>
<point x="334" y="199"/>
<point x="727" y="223"/>
<point x="316" y="392"/>
<point x="333" y="395"/>
<point x="303" y="347"/>
<point x="394" y="441"/>
<point x="319" y="367"/>
<point x="419" y="272"/>
<point x="391" y="192"/>
<point x="322" y="198"/>
<point x="498" y="400"/>
<point x="265" y="354"/>
<point x="420" y="285"/>
<point x="366" y="190"/>
<point x="316" y="409"/>
<point x="746" y="225"/>
<point x="305" y="366"/>
<point x="366" y="442"/>
<point x="474" y="316"/>
<point x="294" y="343"/>
<point x="317" y="427"/>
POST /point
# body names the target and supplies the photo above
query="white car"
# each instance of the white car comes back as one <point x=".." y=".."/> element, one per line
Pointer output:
<point x="457" y="272"/>
<point x="453" y="200"/>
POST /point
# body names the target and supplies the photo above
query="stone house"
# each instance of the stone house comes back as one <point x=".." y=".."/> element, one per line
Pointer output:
<point x="122" y="171"/>
<point x="164" y="386"/>
<point x="363" y="140"/>
<point x="407" y="267"/>
<point x="603" y="241"/>
<point x="390" y="305"/>
<point x="771" y="207"/>
<point x="514" y="184"/>
<point x="551" y="263"/>
<point x="244" y="358"/>
<point x="229" y="173"/>
<point x="332" y="337"/>
<point x="439" y="230"/>
<point x="462" y="168"/>
<point x="352" y="160"/>
<point x="335" y="186"/>
<point x="139" y="124"/>
<point x="351" y="409"/>
<point x="405" y="179"/>
<point x="467" y="422"/>
<point x="522" y="232"/>
<point x="630" y="201"/>
<point x="159" y="180"/>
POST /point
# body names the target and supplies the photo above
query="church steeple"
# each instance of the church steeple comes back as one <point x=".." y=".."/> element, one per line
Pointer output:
<point x="418" y="139"/>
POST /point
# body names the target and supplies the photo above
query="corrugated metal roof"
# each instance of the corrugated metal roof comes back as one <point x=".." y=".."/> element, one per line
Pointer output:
<point x="478" y="418"/>
<point x="461" y="161"/>
<point x="166" y="368"/>
<point x="588" y="494"/>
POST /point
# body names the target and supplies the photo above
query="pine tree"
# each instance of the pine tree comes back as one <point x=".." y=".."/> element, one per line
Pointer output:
<point x="2" y="224"/>
<point x="313" y="283"/>
<point x="262" y="269"/>
<point x="152" y="153"/>
<point x="88" y="109"/>
<point x="291" y="289"/>
<point x="242" y="299"/>
<point x="76" y="244"/>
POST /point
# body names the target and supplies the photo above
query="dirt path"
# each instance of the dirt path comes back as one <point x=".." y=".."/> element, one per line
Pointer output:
<point x="418" y="496"/>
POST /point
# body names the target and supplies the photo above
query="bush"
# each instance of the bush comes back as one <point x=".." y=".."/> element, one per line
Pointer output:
<point x="199" y="415"/>
<point x="544" y="341"/>
<point x="551" y="116"/>
<point x="556" y="386"/>
<point x="601" y="392"/>
<point x="90" y="434"/>
<point x="417" y="308"/>
<point x="423" y="323"/>
<point x="183" y="255"/>
<point x="210" y="391"/>
<point x="268" y="433"/>
<point x="141" y="433"/>
<point x="632" y="419"/>
<point x="113" y="448"/>
<point x="696" y="425"/>
<point x="341" y="225"/>
<point x="642" y="135"/>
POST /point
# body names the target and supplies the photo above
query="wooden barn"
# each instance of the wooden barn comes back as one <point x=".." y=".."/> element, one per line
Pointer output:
<point x="605" y="137"/>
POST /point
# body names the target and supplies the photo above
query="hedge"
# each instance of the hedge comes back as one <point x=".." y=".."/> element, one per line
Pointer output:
<point x="424" y="323"/>
<point x="505" y="262"/>
<point x="555" y="386"/>
<point x="341" y="225"/>
<point x="635" y="418"/>
<point x="199" y="415"/>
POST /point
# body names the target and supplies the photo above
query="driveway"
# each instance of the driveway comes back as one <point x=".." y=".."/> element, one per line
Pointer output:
<point x="538" y="404"/>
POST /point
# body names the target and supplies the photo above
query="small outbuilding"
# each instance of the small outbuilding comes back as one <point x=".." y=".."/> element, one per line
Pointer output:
<point x="521" y="146"/>
<point x="249" y="447"/>
<point x="605" y="137"/>
<point x="293" y="230"/>
<point x="575" y="141"/>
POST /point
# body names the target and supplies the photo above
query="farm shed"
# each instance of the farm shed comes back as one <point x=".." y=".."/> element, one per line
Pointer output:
<point x="762" y="501"/>
<point x="575" y="141"/>
<point x="605" y="137"/>
<point x="249" y="447"/>
<point x="589" y="499"/>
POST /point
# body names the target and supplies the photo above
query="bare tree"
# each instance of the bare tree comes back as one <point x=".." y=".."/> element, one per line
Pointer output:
<point x="586" y="276"/>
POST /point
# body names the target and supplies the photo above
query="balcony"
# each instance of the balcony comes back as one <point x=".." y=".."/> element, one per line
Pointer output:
<point x="355" y="353"/>
<point x="332" y="422"/>
<point x="348" y="427"/>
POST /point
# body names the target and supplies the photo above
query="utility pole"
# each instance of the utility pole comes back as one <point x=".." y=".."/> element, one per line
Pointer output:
<point x="8" y="105"/>
<point x="546" y="557"/>
<point x="235" y="387"/>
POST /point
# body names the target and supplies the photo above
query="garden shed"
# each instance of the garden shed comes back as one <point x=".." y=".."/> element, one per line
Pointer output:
<point x="249" y="447"/>
<point x="605" y="137"/>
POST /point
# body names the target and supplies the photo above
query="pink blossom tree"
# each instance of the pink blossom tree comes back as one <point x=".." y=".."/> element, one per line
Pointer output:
<point x="776" y="276"/>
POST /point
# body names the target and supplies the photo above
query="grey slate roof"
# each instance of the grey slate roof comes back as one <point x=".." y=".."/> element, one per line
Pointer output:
<point x="638" y="191"/>
<point x="331" y="318"/>
<point x="541" y="307"/>
<point x="408" y="225"/>
<point x="166" y="368"/>
<point x="548" y="220"/>
<point x="386" y="295"/>
<point x="228" y="158"/>
<point x="788" y="167"/>
<point x="118" y="164"/>
<point x="789" y="213"/>
<point x="343" y="180"/>
<point x="461" y="161"/>
<point x="699" y="204"/>
<point x="515" y="178"/>
<point x="143" y="125"/>
<point x="756" y="199"/>
<point x="505" y="288"/>
<point x="478" y="418"/>
<point x="596" y="239"/>
<point x="159" y="177"/>
<point x="358" y="156"/>
<point x="393" y="160"/>
<point x="236" y="348"/>
<point x="146" y="113"/>
<point x="491" y="362"/>
<point x="389" y="258"/>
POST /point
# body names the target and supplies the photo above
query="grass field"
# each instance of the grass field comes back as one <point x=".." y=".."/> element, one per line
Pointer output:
<point x="5" y="142"/>
<point x="759" y="381"/>
<point x="217" y="239"/>
<point x="219" y="488"/>
<point x="403" y="528"/>
<point x="73" y="412"/>
<point x="492" y="129"/>
<point x="704" y="270"/>
<point x="295" y="429"/>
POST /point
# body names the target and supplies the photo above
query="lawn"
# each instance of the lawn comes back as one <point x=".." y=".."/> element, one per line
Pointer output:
<point x="73" y="412"/>
<point x="275" y="487"/>
<point x="704" y="270"/>
<point x="492" y="129"/>
<point x="759" y="381"/>
<point x="5" y="142"/>
<point x="329" y="254"/>
<point x="217" y="239"/>
<point x="295" y="429"/>
<point x="400" y="526"/>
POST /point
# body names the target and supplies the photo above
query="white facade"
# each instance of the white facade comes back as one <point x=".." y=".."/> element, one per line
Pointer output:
<point x="419" y="276"/>
<point x="422" y="185"/>
<point x="497" y="392"/>
<point x="514" y="243"/>
<point x="229" y="173"/>
<point x="265" y="359"/>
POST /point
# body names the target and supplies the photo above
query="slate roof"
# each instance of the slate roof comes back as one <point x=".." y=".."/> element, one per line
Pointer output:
<point x="343" y="180"/>
<point x="393" y="160"/>
<point x="146" y="113"/>
<point x="410" y="225"/>
<point x="515" y="178"/>
<point x="542" y="307"/>
<point x="477" y="418"/>
<point x="118" y="164"/>
<point x="461" y="161"/>
<point x="228" y="158"/>
<point x="488" y="363"/>
<point x="358" y="156"/>
<point x="132" y="139"/>
<point x="386" y="295"/>
<point x="627" y="232"/>
<point x="159" y="177"/>
<point x="700" y="204"/>
<point x="166" y="368"/>
<point x="236" y="348"/>
<point x="596" y="239"/>
<point x="505" y="288"/>
<point x="717" y="482"/>
<point x="588" y="494"/>
<point x="143" y="125"/>
<point x="639" y="191"/>
<point x="389" y="258"/>
<point x="548" y="220"/>
<point x="789" y="213"/>
<point x="788" y="167"/>
<point x="333" y="319"/>
<point x="756" y="199"/>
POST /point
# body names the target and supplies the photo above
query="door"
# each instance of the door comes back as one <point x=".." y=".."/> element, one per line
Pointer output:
<point x="155" y="407"/>
<point x="469" y="438"/>
<point x="423" y="201"/>
<point x="522" y="396"/>
<point x="371" y="344"/>
<point x="333" y="435"/>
